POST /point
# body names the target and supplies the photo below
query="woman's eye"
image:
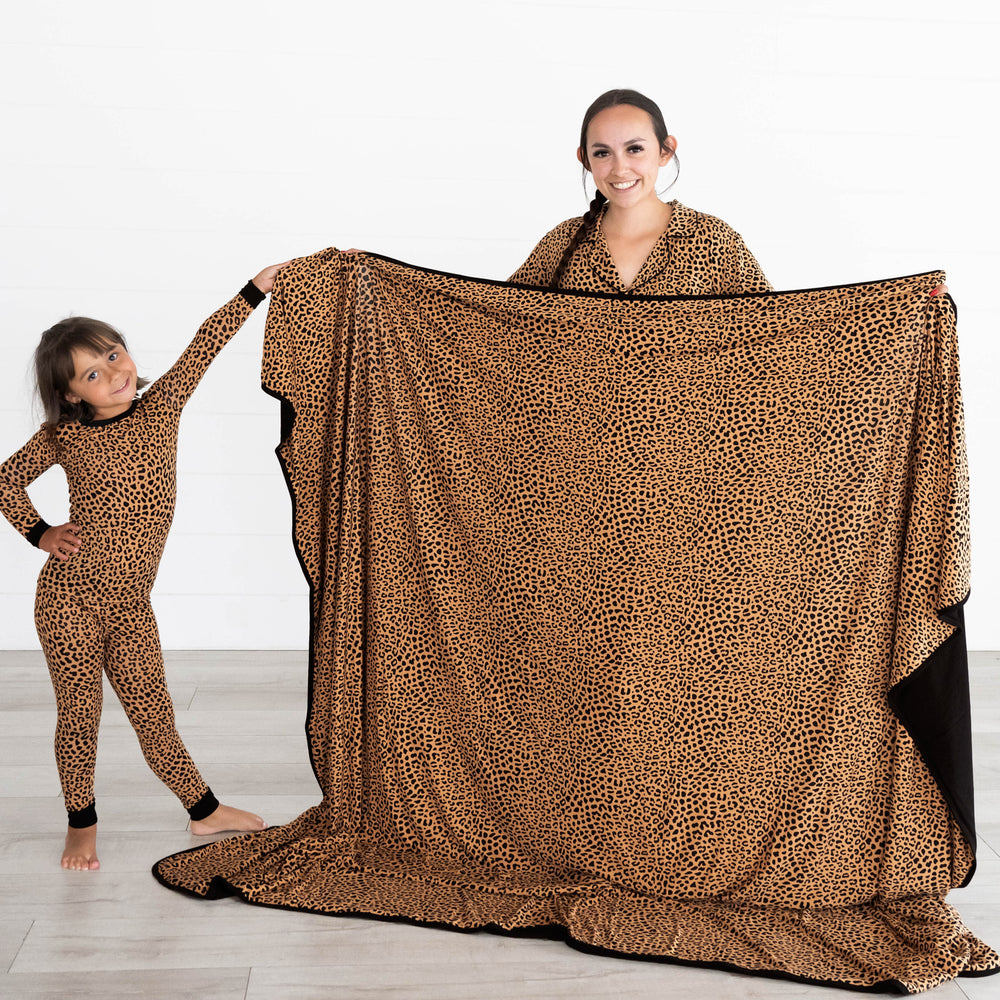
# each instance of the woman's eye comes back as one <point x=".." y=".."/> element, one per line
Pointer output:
<point x="600" y="153"/>
<point x="635" y="149"/>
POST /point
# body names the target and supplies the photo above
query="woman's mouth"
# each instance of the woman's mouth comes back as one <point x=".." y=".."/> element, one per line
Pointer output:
<point x="625" y="185"/>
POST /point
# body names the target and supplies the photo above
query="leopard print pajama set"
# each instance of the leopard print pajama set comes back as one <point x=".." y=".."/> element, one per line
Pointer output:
<point x="92" y="611"/>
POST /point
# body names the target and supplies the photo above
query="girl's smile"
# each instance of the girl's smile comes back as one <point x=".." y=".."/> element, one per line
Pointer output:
<point x="105" y="380"/>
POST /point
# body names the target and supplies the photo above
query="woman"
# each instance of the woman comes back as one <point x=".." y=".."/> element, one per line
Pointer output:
<point x="630" y="240"/>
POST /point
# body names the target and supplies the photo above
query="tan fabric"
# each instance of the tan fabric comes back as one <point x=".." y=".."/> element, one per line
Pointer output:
<point x="698" y="254"/>
<point x="607" y="597"/>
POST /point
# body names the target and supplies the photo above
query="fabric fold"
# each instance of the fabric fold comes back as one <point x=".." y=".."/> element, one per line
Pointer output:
<point x="625" y="614"/>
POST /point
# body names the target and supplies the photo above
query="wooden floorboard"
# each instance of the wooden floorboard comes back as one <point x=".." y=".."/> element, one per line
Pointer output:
<point x="117" y="933"/>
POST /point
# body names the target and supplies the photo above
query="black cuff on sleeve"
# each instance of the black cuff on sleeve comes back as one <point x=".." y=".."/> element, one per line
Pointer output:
<point x="252" y="294"/>
<point x="35" y="535"/>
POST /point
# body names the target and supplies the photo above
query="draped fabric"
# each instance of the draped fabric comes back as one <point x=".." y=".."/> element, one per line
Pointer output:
<point x="636" y="619"/>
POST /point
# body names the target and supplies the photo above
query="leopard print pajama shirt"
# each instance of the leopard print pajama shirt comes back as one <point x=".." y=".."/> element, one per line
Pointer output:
<point x="698" y="254"/>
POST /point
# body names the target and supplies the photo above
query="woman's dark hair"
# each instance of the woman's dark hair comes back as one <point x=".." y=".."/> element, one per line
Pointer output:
<point x="54" y="367"/>
<point x="610" y="99"/>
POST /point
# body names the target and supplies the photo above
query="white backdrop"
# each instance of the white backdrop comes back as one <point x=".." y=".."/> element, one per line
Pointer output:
<point x="156" y="156"/>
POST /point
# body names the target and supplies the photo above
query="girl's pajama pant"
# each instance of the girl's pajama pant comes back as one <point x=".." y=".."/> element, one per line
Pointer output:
<point x="84" y="639"/>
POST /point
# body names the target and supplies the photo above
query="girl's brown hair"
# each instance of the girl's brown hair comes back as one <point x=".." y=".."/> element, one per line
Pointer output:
<point x="610" y="99"/>
<point x="54" y="365"/>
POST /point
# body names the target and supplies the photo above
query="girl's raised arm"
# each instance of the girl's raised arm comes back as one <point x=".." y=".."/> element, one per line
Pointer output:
<point x="176" y="386"/>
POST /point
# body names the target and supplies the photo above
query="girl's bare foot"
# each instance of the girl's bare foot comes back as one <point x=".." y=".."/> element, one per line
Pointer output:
<point x="81" y="849"/>
<point x="226" y="819"/>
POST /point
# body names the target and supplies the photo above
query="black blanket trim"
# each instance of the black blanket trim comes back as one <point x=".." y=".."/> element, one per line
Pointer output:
<point x="220" y="888"/>
<point x="933" y="704"/>
<point x="628" y="296"/>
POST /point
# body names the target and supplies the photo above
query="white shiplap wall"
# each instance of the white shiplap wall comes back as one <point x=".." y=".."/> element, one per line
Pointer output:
<point x="155" y="156"/>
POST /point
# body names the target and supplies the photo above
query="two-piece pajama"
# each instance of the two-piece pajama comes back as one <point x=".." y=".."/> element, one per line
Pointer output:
<point x="92" y="611"/>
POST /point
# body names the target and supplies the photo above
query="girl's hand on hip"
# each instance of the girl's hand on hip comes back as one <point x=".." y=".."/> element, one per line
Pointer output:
<point x="61" y="541"/>
<point x="265" y="280"/>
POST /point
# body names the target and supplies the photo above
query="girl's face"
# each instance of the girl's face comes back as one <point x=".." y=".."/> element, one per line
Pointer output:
<point x="623" y="155"/>
<point x="105" y="380"/>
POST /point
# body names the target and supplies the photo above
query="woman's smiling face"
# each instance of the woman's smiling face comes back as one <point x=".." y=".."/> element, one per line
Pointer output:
<point x="623" y="155"/>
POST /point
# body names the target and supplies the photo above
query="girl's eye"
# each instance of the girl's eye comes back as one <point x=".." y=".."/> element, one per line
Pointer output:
<point x="91" y="376"/>
<point x="113" y="356"/>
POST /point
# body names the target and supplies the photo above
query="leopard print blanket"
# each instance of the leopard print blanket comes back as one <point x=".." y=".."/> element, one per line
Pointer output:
<point x="638" y="619"/>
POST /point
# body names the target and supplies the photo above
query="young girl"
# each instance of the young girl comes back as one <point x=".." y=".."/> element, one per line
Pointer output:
<point x="92" y="610"/>
<point x="629" y="240"/>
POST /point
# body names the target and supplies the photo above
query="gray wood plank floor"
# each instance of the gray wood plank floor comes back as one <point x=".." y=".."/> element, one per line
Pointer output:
<point x="117" y="933"/>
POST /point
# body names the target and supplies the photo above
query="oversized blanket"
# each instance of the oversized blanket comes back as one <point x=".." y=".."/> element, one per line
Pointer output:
<point x="639" y="619"/>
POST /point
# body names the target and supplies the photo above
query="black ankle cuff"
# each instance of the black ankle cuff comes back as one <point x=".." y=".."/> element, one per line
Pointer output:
<point x="204" y="807"/>
<point x="80" y="818"/>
